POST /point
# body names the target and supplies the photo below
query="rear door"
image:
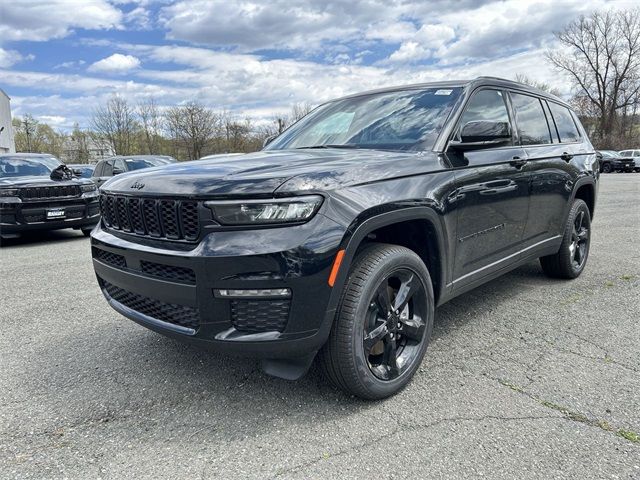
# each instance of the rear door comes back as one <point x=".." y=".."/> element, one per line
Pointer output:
<point x="106" y="172"/>
<point x="491" y="196"/>
<point x="554" y="155"/>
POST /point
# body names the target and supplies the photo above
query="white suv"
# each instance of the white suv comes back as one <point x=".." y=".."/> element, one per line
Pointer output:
<point x="636" y="157"/>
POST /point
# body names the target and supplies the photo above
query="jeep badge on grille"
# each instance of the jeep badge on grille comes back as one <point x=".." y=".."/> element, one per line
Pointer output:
<point x="137" y="185"/>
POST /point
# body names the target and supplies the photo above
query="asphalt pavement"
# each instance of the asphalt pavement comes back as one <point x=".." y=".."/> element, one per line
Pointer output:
<point x="526" y="377"/>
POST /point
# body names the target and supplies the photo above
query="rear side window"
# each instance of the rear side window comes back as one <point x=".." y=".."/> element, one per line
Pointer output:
<point x="107" y="169"/>
<point x="564" y="123"/>
<point x="486" y="105"/>
<point x="98" y="170"/>
<point x="533" y="128"/>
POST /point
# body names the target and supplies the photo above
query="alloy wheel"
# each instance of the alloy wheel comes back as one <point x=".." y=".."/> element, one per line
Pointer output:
<point x="579" y="241"/>
<point x="395" y="324"/>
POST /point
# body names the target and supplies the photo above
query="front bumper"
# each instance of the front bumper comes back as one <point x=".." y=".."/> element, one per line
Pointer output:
<point x="173" y="288"/>
<point x="17" y="216"/>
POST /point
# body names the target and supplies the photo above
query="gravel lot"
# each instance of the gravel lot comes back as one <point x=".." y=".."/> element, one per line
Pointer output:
<point x="525" y="378"/>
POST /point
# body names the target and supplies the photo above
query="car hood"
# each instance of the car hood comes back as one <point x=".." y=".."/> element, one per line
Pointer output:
<point x="267" y="172"/>
<point x="38" y="181"/>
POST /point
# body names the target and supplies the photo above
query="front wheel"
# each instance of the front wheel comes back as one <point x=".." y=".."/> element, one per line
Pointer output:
<point x="572" y="257"/>
<point x="606" y="168"/>
<point x="382" y="325"/>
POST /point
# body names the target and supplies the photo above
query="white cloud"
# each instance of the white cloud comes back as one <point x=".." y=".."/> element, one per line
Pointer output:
<point x="40" y="20"/>
<point x="410" y="51"/>
<point x="9" y="58"/>
<point x="116" y="63"/>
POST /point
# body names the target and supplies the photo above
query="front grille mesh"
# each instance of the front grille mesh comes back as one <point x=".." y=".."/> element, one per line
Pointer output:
<point x="254" y="316"/>
<point x="168" y="272"/>
<point x="57" y="191"/>
<point x="164" y="219"/>
<point x="181" y="315"/>
<point x="109" y="258"/>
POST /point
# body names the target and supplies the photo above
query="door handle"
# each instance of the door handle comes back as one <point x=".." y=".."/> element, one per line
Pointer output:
<point x="518" y="162"/>
<point x="566" y="156"/>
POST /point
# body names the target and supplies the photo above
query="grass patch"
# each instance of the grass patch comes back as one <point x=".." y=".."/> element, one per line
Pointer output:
<point x="627" y="277"/>
<point x="609" y="283"/>
<point x="629" y="435"/>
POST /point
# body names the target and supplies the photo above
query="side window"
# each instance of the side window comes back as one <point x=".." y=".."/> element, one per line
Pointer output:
<point x="564" y="122"/>
<point x="107" y="168"/>
<point x="98" y="170"/>
<point x="625" y="153"/>
<point x="487" y="105"/>
<point x="120" y="165"/>
<point x="533" y="128"/>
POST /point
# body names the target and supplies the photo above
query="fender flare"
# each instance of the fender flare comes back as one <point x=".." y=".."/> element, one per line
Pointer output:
<point x="352" y="241"/>
<point x="580" y="183"/>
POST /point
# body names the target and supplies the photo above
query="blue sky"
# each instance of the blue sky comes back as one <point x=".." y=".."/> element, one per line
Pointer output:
<point x="59" y="59"/>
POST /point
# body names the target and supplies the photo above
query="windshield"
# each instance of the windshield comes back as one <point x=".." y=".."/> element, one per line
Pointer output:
<point x="22" y="167"/>
<point x="404" y="120"/>
<point x="138" y="163"/>
<point x="609" y="154"/>
<point x="84" y="171"/>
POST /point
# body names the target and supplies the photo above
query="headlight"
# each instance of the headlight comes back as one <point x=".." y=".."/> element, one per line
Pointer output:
<point x="88" y="188"/>
<point x="9" y="192"/>
<point x="251" y="212"/>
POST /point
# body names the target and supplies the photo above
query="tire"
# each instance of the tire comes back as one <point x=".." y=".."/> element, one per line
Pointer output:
<point x="572" y="257"/>
<point x="606" y="168"/>
<point x="368" y="355"/>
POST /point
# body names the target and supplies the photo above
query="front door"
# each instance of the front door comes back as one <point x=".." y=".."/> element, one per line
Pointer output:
<point x="491" y="196"/>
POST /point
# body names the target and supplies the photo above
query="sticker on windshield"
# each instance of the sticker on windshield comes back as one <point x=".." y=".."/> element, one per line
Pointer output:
<point x="443" y="92"/>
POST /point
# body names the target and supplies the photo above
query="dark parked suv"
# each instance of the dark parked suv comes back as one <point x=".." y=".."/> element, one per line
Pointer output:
<point x="342" y="236"/>
<point x="33" y="197"/>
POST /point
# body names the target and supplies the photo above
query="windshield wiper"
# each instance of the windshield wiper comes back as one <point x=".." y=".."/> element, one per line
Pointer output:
<point x="329" y="145"/>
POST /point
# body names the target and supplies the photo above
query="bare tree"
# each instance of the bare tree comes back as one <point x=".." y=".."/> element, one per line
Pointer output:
<point x="115" y="124"/>
<point x="151" y="121"/>
<point x="602" y="58"/>
<point x="193" y="126"/>
<point x="25" y="132"/>
<point x="545" y="87"/>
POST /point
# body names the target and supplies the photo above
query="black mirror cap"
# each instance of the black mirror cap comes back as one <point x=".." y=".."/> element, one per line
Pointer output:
<point x="485" y="131"/>
<point x="117" y="171"/>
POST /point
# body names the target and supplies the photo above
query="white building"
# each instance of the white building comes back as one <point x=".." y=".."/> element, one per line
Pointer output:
<point x="7" y="142"/>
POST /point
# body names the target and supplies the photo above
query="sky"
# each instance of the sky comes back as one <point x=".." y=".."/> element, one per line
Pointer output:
<point x="60" y="59"/>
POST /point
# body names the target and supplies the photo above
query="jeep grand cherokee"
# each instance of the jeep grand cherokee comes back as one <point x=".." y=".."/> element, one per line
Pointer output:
<point x="343" y="235"/>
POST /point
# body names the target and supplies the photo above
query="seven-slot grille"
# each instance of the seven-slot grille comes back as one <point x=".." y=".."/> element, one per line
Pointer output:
<point x="159" y="218"/>
<point x="56" y="191"/>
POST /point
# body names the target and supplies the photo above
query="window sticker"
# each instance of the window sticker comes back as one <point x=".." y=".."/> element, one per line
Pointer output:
<point x="443" y="92"/>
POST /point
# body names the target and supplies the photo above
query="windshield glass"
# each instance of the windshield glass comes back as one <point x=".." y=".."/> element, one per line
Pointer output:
<point x="609" y="154"/>
<point x="138" y="163"/>
<point x="404" y="120"/>
<point x="22" y="167"/>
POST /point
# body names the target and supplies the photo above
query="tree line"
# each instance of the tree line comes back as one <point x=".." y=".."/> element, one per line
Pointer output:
<point x="186" y="132"/>
<point x="598" y="54"/>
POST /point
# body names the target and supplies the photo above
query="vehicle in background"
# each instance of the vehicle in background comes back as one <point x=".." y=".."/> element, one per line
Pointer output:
<point x="612" y="161"/>
<point x="635" y="154"/>
<point x="82" y="170"/>
<point x="107" y="168"/>
<point x="30" y="199"/>
<point x="167" y="158"/>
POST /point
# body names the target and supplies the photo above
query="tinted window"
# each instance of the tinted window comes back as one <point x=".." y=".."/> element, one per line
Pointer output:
<point x="625" y="153"/>
<point x="138" y="163"/>
<point x="487" y="105"/>
<point x="532" y="123"/>
<point x="120" y="165"/>
<point x="564" y="122"/>
<point x="404" y="120"/>
<point x="107" y="169"/>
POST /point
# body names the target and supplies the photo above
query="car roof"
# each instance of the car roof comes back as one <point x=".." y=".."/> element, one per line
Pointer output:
<point x="115" y="157"/>
<point x="471" y="84"/>
<point x="28" y="155"/>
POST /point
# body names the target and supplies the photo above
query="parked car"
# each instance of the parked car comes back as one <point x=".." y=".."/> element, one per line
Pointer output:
<point x="635" y="154"/>
<point x="612" y="161"/>
<point x="82" y="170"/>
<point x="31" y="199"/>
<point x="107" y="168"/>
<point x="342" y="236"/>
<point x="166" y="158"/>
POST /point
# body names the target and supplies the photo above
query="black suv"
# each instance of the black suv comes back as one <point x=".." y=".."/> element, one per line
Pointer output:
<point x="107" y="168"/>
<point x="343" y="235"/>
<point x="32" y="197"/>
<point x="611" y="161"/>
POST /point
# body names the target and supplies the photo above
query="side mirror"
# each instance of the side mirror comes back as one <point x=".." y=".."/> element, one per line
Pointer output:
<point x="268" y="140"/>
<point x="117" y="171"/>
<point x="77" y="172"/>
<point x="482" y="133"/>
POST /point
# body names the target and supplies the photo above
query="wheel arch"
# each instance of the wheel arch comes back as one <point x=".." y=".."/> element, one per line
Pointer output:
<point x="381" y="228"/>
<point x="585" y="189"/>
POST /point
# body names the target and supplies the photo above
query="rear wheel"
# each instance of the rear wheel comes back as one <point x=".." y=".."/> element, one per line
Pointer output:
<point x="383" y="324"/>
<point x="606" y="168"/>
<point x="574" y="250"/>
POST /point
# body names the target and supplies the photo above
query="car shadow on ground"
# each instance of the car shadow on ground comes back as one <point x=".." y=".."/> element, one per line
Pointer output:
<point x="47" y="236"/>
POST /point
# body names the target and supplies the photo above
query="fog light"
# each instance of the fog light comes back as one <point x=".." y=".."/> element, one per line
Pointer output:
<point x="253" y="293"/>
